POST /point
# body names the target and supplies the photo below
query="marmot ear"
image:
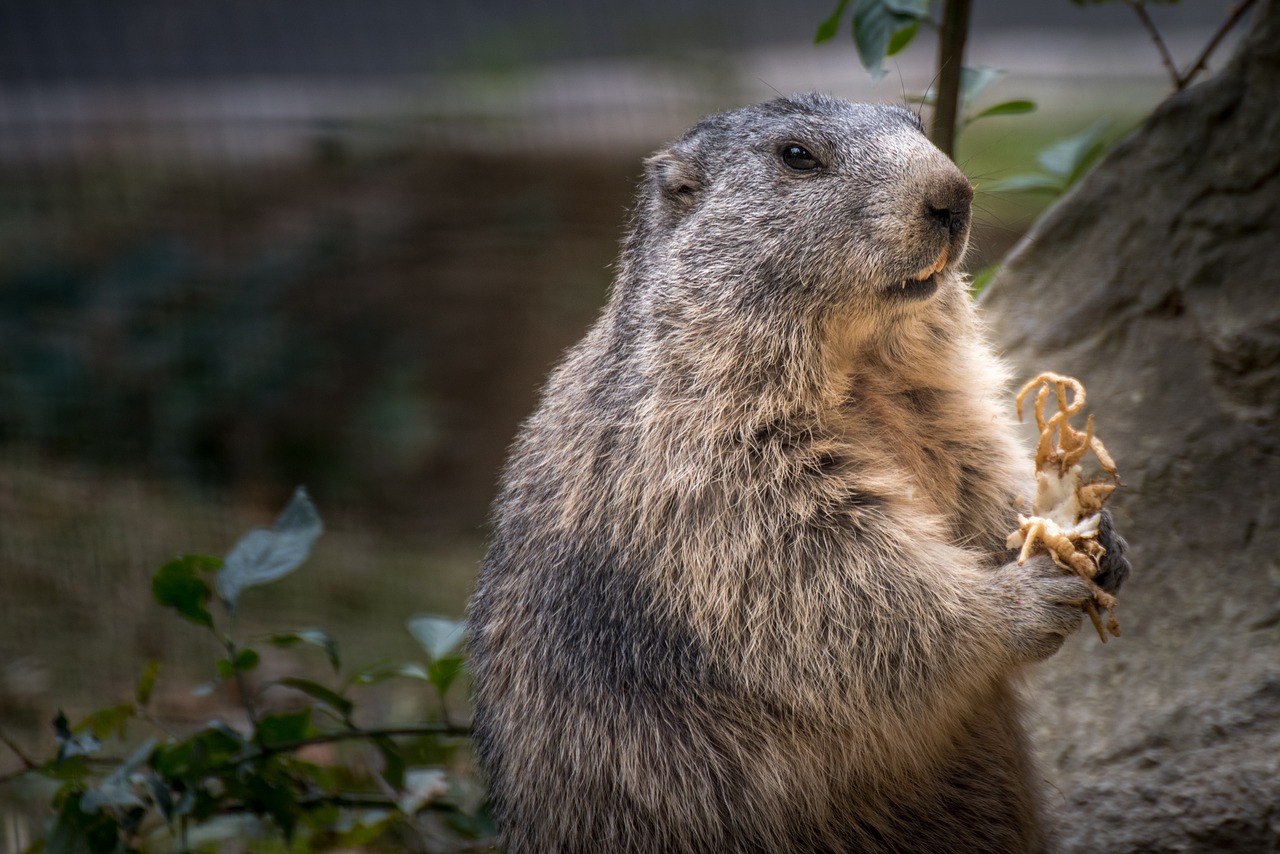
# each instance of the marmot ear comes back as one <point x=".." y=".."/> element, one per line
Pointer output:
<point x="674" y="173"/>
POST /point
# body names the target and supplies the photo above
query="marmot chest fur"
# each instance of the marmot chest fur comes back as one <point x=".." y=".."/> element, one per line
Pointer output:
<point x="747" y="589"/>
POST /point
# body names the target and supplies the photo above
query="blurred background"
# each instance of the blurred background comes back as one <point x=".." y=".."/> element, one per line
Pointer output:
<point x="251" y="244"/>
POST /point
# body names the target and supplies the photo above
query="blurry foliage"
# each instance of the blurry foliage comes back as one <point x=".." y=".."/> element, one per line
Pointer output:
<point x="1062" y="164"/>
<point x="156" y="355"/>
<point x="364" y="323"/>
<point x="287" y="766"/>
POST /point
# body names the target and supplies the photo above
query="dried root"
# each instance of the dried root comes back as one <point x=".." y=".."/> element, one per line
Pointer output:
<point x="1066" y="510"/>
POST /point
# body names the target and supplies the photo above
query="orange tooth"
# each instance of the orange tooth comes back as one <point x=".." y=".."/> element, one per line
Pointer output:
<point x="937" y="266"/>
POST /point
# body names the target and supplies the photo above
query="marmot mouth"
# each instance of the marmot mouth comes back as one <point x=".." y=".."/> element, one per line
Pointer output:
<point x="924" y="283"/>
<point x="914" y="289"/>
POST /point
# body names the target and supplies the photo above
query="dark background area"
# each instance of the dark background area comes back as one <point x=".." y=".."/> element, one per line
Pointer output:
<point x="141" y="40"/>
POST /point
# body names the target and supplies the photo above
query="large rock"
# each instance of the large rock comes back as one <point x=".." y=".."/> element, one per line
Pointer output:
<point x="1157" y="283"/>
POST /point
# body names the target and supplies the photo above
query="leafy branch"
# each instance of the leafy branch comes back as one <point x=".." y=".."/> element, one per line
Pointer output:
<point x="181" y="793"/>
<point x="883" y="28"/>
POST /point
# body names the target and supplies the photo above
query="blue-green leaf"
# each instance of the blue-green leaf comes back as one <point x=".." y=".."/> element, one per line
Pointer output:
<point x="975" y="81"/>
<point x="314" y="637"/>
<point x="875" y="23"/>
<point x="918" y="9"/>
<point x="421" y="786"/>
<point x="438" y="635"/>
<point x="1030" y="181"/>
<point x="72" y="745"/>
<point x="383" y="671"/>
<point x="1071" y="157"/>
<point x="265" y="555"/>
<point x="116" y="789"/>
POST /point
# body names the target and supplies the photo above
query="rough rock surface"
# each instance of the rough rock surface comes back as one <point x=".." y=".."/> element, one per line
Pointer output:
<point x="1157" y="283"/>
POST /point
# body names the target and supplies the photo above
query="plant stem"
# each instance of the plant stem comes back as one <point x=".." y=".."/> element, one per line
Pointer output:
<point x="26" y="761"/>
<point x="1237" y="12"/>
<point x="262" y="751"/>
<point x="1165" y="57"/>
<point x="357" y="734"/>
<point x="951" y="40"/>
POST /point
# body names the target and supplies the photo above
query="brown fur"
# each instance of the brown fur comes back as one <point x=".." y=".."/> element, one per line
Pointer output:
<point x="748" y="589"/>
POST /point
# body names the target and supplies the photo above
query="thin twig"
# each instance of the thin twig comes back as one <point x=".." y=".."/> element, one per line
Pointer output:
<point x="358" y="734"/>
<point x="104" y="761"/>
<point x="1237" y="12"/>
<point x="1165" y="56"/>
<point x="26" y="761"/>
<point x="262" y="751"/>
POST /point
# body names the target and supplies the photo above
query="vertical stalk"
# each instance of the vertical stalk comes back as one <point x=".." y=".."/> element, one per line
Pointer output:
<point x="951" y="39"/>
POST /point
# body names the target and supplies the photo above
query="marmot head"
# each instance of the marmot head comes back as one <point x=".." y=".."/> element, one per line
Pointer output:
<point x="809" y="202"/>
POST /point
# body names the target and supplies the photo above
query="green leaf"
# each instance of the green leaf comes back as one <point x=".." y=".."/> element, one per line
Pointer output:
<point x="1071" y="157"/>
<point x="393" y="763"/>
<point x="421" y="787"/>
<point x="276" y="799"/>
<point x="209" y="748"/>
<point x="975" y="81"/>
<point x="315" y="637"/>
<point x="147" y="684"/>
<point x="902" y="38"/>
<point x="1030" y="181"/>
<point x="918" y="9"/>
<point x="291" y="726"/>
<point x="443" y="671"/>
<point x="828" y="28"/>
<point x="328" y="696"/>
<point x="104" y="722"/>
<point x="875" y="23"/>
<point x="78" y="831"/>
<point x="246" y="660"/>
<point x="265" y="555"/>
<point x="1008" y="108"/>
<point x="439" y="636"/>
<point x="382" y="672"/>
<point x="71" y="770"/>
<point x="176" y="585"/>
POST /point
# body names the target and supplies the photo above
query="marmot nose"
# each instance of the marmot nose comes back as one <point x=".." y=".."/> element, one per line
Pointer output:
<point x="948" y="205"/>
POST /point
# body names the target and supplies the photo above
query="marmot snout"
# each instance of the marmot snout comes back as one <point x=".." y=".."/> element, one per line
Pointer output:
<point x="748" y="588"/>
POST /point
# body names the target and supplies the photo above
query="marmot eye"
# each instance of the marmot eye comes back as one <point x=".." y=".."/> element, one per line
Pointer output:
<point x="798" y="157"/>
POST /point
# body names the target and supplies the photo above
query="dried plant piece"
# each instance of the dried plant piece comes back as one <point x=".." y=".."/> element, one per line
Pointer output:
<point x="1066" y="512"/>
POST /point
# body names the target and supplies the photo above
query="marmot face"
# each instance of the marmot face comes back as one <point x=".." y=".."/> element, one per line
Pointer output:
<point x="848" y="204"/>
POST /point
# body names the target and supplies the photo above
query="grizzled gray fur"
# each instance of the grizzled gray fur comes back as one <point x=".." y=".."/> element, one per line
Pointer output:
<point x="748" y="589"/>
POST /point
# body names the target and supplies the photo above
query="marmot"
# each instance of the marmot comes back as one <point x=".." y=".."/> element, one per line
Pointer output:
<point x="748" y="588"/>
